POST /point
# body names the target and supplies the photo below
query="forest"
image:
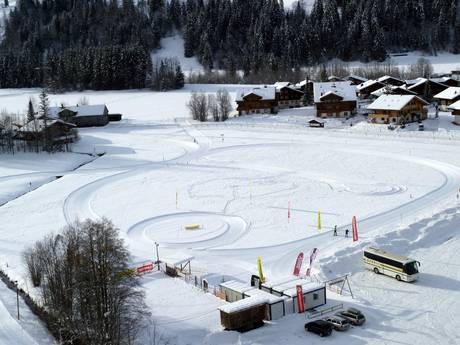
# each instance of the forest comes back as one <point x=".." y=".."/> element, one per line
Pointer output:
<point x="106" y="44"/>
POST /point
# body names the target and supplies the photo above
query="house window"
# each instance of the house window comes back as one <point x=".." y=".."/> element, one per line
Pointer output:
<point x="315" y="296"/>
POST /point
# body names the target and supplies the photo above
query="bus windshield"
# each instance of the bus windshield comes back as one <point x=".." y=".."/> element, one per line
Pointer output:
<point x="411" y="268"/>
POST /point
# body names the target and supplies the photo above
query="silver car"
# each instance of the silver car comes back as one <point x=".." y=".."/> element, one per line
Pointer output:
<point x="339" y="323"/>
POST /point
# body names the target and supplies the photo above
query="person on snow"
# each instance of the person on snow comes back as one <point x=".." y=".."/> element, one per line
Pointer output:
<point x="346" y="232"/>
<point x="335" y="230"/>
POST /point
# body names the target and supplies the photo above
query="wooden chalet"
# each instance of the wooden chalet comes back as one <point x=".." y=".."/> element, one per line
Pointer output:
<point x="397" y="109"/>
<point x="389" y="80"/>
<point x="335" y="99"/>
<point x="427" y="88"/>
<point x="306" y="86"/>
<point x="83" y="115"/>
<point x="448" y="81"/>
<point x="455" y="109"/>
<point x="392" y="90"/>
<point x="448" y="97"/>
<point x="288" y="96"/>
<point x="355" y="79"/>
<point x="257" y="100"/>
<point x="365" y="89"/>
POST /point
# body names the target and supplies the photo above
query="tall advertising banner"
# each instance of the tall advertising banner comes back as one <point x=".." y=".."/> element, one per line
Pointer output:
<point x="298" y="264"/>
<point x="319" y="220"/>
<point x="259" y="267"/>
<point x="313" y="255"/>
<point x="354" y="227"/>
<point x="300" y="302"/>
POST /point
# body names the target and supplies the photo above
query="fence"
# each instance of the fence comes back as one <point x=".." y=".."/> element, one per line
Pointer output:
<point x="319" y="313"/>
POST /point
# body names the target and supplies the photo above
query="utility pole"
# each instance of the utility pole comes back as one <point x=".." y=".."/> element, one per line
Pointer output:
<point x="17" y="296"/>
<point x="158" y="256"/>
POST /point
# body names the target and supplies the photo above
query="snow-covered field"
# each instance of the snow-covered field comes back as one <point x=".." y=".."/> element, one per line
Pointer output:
<point x="162" y="171"/>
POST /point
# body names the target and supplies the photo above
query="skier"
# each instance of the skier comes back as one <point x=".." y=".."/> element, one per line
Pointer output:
<point x="346" y="232"/>
<point x="335" y="230"/>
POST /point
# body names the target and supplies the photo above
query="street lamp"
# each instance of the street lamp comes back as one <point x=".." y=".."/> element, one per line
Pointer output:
<point x="158" y="256"/>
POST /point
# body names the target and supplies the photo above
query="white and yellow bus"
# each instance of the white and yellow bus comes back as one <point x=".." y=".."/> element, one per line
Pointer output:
<point x="392" y="265"/>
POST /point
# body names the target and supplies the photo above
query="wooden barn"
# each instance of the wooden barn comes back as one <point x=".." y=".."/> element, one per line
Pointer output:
<point x="243" y="315"/>
<point x="427" y="88"/>
<point x="82" y="115"/>
<point x="455" y="108"/>
<point x="397" y="109"/>
<point x="335" y="99"/>
<point x="447" y="97"/>
<point x="288" y="96"/>
<point x="365" y="89"/>
<point x="257" y="100"/>
<point x="58" y="130"/>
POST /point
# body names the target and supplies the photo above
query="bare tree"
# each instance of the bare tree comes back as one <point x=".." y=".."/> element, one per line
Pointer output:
<point x="83" y="100"/>
<point x="213" y="108"/>
<point x="198" y="106"/>
<point x="224" y="103"/>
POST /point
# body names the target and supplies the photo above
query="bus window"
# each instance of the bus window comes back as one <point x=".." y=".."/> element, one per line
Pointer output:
<point x="411" y="268"/>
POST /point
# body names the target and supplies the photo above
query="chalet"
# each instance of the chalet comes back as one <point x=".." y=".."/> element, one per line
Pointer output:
<point x="397" y="109"/>
<point x="448" y="97"/>
<point x="355" y="79"/>
<point x="455" y="75"/>
<point x="455" y="107"/>
<point x="448" y="81"/>
<point x="288" y="96"/>
<point x="427" y="88"/>
<point x="59" y="130"/>
<point x="335" y="99"/>
<point x="365" y="89"/>
<point x="82" y="115"/>
<point x="306" y="86"/>
<point x="389" y="80"/>
<point x="257" y="100"/>
<point x="392" y="90"/>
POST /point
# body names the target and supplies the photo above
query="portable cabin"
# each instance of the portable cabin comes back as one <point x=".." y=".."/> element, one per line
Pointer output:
<point x="234" y="290"/>
<point x="314" y="295"/>
<point x="275" y="304"/>
<point x="269" y="286"/>
<point x="243" y="315"/>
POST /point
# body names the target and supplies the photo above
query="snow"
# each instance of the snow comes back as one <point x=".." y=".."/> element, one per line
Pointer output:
<point x="236" y="286"/>
<point x="450" y="93"/>
<point x="244" y="304"/>
<point x="367" y="84"/>
<point x="391" y="102"/>
<point x="455" y="106"/>
<point x="173" y="47"/>
<point x="343" y="89"/>
<point x="236" y="180"/>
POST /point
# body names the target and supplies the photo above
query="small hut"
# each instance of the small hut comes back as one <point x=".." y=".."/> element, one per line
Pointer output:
<point x="243" y="315"/>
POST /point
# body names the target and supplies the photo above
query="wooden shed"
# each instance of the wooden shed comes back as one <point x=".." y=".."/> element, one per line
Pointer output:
<point x="316" y="123"/>
<point x="243" y="315"/>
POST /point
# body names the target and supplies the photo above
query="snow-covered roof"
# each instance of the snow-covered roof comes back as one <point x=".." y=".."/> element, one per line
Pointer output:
<point x="243" y="304"/>
<point x="357" y="77"/>
<point x="81" y="110"/>
<point x="455" y="106"/>
<point x="386" y="77"/>
<point x="421" y="81"/>
<point x="290" y="288"/>
<point x="343" y="89"/>
<point x="449" y="93"/>
<point x="392" y="102"/>
<point x="280" y="281"/>
<point x="303" y="83"/>
<point x="236" y="286"/>
<point x="367" y="84"/>
<point x="442" y="79"/>
<point x="266" y="92"/>
<point x="281" y="84"/>
<point x="261" y="293"/>
<point x="393" y="90"/>
<point x="333" y="77"/>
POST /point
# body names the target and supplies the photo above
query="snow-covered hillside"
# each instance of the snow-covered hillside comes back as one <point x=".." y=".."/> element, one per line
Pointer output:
<point x="236" y="179"/>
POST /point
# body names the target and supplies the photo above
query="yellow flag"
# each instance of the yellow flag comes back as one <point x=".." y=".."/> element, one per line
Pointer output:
<point x="259" y="266"/>
<point x="319" y="220"/>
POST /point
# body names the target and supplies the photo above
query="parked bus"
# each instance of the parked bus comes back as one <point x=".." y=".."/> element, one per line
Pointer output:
<point x="392" y="265"/>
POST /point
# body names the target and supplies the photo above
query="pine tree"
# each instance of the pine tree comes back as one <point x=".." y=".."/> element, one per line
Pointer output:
<point x="30" y="111"/>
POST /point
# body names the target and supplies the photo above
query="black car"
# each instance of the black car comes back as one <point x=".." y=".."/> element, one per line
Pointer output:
<point x="320" y="327"/>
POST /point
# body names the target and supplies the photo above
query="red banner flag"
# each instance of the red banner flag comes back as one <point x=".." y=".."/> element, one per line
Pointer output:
<point x="298" y="264"/>
<point x="354" y="227"/>
<point x="300" y="303"/>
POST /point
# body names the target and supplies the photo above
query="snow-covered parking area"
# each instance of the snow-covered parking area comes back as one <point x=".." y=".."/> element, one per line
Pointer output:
<point x="161" y="172"/>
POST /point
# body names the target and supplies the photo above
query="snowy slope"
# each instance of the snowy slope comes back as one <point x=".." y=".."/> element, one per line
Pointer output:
<point x="236" y="179"/>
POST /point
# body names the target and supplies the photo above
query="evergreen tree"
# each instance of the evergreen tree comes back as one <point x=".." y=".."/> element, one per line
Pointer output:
<point x="30" y="111"/>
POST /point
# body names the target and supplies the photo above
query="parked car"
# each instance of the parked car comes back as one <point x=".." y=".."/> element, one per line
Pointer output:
<point x="320" y="327"/>
<point x="338" y="323"/>
<point x="354" y="316"/>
